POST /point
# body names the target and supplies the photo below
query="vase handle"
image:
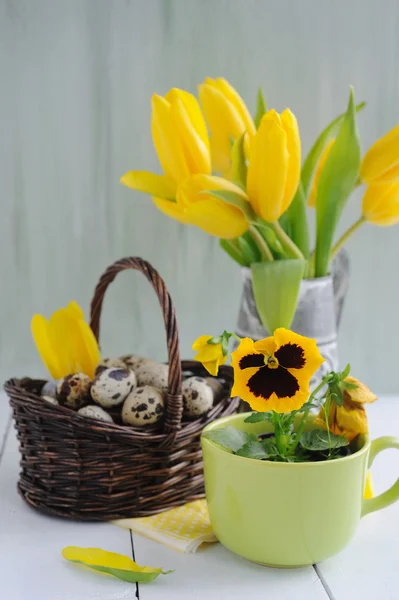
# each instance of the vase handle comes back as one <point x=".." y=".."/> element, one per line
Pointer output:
<point x="392" y="494"/>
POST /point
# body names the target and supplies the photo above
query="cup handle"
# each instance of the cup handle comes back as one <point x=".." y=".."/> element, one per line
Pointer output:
<point x="392" y="494"/>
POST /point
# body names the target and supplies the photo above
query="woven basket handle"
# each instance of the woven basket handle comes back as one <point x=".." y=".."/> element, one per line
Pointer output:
<point x="174" y="406"/>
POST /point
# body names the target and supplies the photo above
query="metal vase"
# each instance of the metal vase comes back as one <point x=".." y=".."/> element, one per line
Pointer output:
<point x="317" y="315"/>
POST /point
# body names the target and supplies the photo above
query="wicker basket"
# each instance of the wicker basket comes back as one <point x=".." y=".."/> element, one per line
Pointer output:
<point x="92" y="470"/>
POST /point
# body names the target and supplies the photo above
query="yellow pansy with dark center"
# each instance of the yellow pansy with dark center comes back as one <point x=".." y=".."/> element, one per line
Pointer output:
<point x="274" y="373"/>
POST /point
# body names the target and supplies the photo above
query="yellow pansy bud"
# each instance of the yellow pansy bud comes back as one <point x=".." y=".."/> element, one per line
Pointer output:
<point x="210" y="355"/>
<point x="227" y="117"/>
<point x="381" y="203"/>
<point x="213" y="215"/>
<point x="313" y="192"/>
<point x="381" y="162"/>
<point x="274" y="165"/>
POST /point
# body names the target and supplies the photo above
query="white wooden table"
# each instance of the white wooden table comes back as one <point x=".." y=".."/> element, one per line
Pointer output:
<point x="31" y="566"/>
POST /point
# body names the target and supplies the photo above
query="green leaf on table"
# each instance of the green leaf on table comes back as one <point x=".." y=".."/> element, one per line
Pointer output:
<point x="276" y="288"/>
<point x="239" y="162"/>
<point x="257" y="417"/>
<point x="316" y="151"/>
<point x="253" y="450"/>
<point x="317" y="440"/>
<point x="230" y="438"/>
<point x="261" y="107"/>
<point x="337" y="181"/>
<point x="111" y="563"/>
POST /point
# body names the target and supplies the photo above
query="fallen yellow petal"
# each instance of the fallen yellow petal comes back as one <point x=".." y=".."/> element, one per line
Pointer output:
<point x="368" y="488"/>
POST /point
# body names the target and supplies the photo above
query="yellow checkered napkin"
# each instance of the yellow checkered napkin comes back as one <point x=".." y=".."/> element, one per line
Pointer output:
<point x="184" y="528"/>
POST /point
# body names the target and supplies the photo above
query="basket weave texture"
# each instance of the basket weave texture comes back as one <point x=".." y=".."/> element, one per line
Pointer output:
<point x="81" y="468"/>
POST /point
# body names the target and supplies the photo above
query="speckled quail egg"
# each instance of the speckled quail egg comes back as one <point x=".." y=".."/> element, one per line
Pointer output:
<point x="73" y="390"/>
<point x="50" y="389"/>
<point x="153" y="374"/>
<point x="95" y="412"/>
<point x="216" y="385"/>
<point x="197" y="396"/>
<point x="108" y="363"/>
<point x="50" y="399"/>
<point x="112" y="386"/>
<point x="144" y="406"/>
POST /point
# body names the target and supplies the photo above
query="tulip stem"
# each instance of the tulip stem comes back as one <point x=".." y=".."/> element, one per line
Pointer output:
<point x="345" y="236"/>
<point x="286" y="241"/>
<point x="261" y="244"/>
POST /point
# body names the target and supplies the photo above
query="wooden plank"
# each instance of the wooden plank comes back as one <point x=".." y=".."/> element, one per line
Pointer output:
<point x="214" y="573"/>
<point x="31" y="565"/>
<point x="368" y="567"/>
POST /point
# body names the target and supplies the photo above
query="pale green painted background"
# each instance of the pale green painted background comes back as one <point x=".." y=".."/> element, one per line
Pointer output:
<point x="76" y="81"/>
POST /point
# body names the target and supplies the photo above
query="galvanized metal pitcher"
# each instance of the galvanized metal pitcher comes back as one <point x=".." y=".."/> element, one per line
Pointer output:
<point x="318" y="312"/>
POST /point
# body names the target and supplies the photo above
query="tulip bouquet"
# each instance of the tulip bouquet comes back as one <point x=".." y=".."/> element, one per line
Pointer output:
<point x="246" y="184"/>
<point x="273" y="376"/>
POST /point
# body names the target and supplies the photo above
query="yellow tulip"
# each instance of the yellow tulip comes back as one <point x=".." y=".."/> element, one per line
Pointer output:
<point x="227" y="117"/>
<point x="381" y="203"/>
<point x="65" y="342"/>
<point x="195" y="207"/>
<point x="181" y="141"/>
<point x="274" y="165"/>
<point x="350" y="419"/>
<point x="381" y="163"/>
<point x="313" y="192"/>
<point x="210" y="355"/>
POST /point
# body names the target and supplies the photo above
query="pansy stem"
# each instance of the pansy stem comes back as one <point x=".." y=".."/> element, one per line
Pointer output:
<point x="286" y="241"/>
<point x="302" y="424"/>
<point x="261" y="244"/>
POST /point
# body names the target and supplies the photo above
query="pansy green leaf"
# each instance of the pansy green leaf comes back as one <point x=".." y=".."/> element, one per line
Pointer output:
<point x="348" y="385"/>
<point x="317" y="440"/>
<point x="253" y="450"/>
<point x="345" y="372"/>
<point x="257" y="417"/>
<point x="111" y="563"/>
<point x="230" y="438"/>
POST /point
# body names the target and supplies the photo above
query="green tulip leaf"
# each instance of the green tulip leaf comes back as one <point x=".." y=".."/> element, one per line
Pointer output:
<point x="297" y="222"/>
<point x="270" y="237"/>
<point x="337" y="180"/>
<point x="248" y="251"/>
<point x="317" y="440"/>
<point x="261" y="108"/>
<point x="239" y="163"/>
<point x="316" y="151"/>
<point x="230" y="438"/>
<point x="276" y="288"/>
<point x="233" y="250"/>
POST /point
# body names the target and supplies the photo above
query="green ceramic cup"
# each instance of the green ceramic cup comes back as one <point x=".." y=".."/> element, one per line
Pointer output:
<point x="288" y="514"/>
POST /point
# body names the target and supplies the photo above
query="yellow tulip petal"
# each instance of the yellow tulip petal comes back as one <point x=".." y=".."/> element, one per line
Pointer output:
<point x="381" y="157"/>
<point x="196" y="151"/>
<point x="235" y="99"/>
<point x="90" y="352"/>
<point x="74" y="310"/>
<point x="267" y="168"/>
<point x="217" y="217"/>
<point x="381" y="204"/>
<point x="290" y="126"/>
<point x="60" y="331"/>
<point x="40" y="332"/>
<point x="166" y="142"/>
<point x="201" y="341"/>
<point x="150" y="183"/>
<point x="191" y="190"/>
<point x="172" y="209"/>
<point x="193" y="111"/>
<point x="213" y="366"/>
<point x="368" y="488"/>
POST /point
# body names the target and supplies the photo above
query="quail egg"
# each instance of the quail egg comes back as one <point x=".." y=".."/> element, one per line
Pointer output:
<point x="95" y="412"/>
<point x="216" y="385"/>
<point x="197" y="396"/>
<point x="144" y="406"/>
<point x="73" y="390"/>
<point x="108" y="363"/>
<point x="50" y="399"/>
<point x="153" y="374"/>
<point x="50" y="389"/>
<point x="112" y="386"/>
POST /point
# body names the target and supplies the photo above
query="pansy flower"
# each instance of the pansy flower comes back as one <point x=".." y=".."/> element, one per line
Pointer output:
<point x="274" y="373"/>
